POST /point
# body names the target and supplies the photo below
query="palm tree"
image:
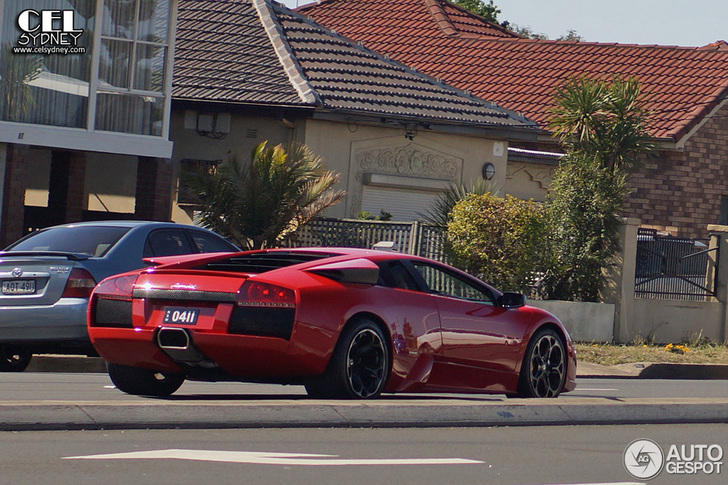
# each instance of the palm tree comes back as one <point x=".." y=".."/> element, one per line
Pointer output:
<point x="602" y="126"/>
<point x="441" y="208"/>
<point x="260" y="203"/>
<point x="604" y="120"/>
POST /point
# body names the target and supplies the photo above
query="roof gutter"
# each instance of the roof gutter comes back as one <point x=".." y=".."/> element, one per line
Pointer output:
<point x="456" y="127"/>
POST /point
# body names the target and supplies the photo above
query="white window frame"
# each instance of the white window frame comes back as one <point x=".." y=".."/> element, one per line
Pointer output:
<point x="88" y="139"/>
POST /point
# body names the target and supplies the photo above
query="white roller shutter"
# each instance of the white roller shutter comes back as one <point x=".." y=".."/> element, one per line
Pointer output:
<point x="405" y="205"/>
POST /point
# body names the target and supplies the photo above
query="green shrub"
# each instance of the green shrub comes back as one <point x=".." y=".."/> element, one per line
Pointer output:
<point x="504" y="241"/>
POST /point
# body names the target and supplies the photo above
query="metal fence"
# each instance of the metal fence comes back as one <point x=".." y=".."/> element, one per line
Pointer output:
<point x="673" y="268"/>
<point x="410" y="237"/>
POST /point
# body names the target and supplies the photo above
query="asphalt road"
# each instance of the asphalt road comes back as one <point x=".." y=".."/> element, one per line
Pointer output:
<point x="505" y="455"/>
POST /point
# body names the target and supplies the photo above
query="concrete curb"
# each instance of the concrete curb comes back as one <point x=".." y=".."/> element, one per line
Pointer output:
<point x="383" y="413"/>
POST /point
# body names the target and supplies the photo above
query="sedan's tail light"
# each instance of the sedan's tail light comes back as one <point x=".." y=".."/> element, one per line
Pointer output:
<point x="253" y="293"/>
<point x="80" y="284"/>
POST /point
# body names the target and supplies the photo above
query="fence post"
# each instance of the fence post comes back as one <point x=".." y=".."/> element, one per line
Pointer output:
<point x="719" y="239"/>
<point x="619" y="284"/>
<point x="414" y="239"/>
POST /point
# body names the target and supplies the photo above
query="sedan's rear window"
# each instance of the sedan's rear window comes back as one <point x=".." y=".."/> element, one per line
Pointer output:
<point x="91" y="240"/>
<point x="262" y="262"/>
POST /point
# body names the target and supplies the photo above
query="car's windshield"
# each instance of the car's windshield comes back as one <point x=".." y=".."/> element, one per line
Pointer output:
<point x="91" y="240"/>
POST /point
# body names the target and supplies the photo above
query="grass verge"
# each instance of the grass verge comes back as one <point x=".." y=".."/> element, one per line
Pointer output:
<point x="612" y="354"/>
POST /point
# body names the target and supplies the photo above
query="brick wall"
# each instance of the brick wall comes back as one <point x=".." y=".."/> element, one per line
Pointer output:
<point x="66" y="192"/>
<point x="13" y="202"/>
<point x="681" y="191"/>
<point x="154" y="189"/>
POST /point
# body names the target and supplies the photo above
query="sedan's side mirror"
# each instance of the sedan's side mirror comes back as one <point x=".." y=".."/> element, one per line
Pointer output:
<point x="511" y="300"/>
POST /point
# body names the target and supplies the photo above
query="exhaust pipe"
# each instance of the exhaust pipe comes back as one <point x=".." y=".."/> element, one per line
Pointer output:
<point x="177" y="344"/>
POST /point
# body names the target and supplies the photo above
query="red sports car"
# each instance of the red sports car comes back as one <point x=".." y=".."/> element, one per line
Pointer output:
<point x="346" y="323"/>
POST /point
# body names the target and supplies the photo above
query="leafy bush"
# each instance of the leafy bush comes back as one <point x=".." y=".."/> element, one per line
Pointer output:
<point x="585" y="199"/>
<point x="501" y="240"/>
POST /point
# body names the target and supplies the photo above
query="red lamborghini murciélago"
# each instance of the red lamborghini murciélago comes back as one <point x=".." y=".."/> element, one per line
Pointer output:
<point x="344" y="322"/>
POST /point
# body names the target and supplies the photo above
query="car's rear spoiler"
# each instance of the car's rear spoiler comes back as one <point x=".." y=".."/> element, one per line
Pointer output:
<point x="61" y="254"/>
<point x="352" y="271"/>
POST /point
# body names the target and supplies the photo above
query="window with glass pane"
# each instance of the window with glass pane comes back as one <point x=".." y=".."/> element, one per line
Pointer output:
<point x="448" y="284"/>
<point x="50" y="88"/>
<point x="132" y="66"/>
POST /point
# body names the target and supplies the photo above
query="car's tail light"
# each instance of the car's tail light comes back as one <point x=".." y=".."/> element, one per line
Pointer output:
<point x="80" y="284"/>
<point x="111" y="304"/>
<point x="117" y="287"/>
<point x="254" y="293"/>
<point x="264" y="310"/>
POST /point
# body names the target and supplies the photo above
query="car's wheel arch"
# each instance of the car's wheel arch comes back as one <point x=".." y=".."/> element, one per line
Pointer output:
<point x="378" y="321"/>
<point x="533" y="331"/>
<point x="374" y="318"/>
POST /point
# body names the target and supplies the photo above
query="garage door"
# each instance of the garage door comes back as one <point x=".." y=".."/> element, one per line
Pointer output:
<point x="405" y="205"/>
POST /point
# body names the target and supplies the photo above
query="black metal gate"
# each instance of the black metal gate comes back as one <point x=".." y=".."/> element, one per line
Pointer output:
<point x="673" y="268"/>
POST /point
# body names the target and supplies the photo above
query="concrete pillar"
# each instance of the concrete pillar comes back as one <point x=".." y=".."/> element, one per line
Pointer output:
<point x="154" y="189"/>
<point x="13" y="195"/>
<point x="66" y="191"/>
<point x="619" y="287"/>
<point x="719" y="240"/>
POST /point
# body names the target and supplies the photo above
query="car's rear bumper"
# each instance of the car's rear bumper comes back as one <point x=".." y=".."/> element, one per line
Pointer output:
<point x="240" y="356"/>
<point x="44" y="324"/>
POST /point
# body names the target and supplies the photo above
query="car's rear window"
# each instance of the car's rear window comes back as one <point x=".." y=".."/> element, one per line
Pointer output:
<point x="261" y="262"/>
<point x="91" y="240"/>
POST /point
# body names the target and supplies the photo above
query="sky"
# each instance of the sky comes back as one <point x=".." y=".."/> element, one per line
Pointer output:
<point x="665" y="22"/>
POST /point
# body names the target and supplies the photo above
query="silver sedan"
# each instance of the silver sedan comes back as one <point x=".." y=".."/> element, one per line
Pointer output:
<point x="47" y="278"/>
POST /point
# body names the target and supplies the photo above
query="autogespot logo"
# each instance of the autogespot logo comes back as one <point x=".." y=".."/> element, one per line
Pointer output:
<point x="644" y="459"/>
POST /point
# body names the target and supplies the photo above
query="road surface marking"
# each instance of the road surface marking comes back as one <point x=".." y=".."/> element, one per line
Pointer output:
<point x="265" y="458"/>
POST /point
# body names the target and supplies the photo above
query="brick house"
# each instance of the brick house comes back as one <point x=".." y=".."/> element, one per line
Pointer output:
<point x="681" y="191"/>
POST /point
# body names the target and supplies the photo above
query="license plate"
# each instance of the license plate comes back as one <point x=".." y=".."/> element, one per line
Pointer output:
<point x="183" y="316"/>
<point x="18" y="287"/>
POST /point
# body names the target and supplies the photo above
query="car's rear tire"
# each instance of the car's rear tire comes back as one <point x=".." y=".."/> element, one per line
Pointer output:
<point x="543" y="372"/>
<point x="14" y="358"/>
<point x="144" y="382"/>
<point x="359" y="366"/>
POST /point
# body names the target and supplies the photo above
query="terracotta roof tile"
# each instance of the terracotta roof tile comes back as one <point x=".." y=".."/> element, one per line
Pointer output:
<point x="681" y="84"/>
<point x="253" y="51"/>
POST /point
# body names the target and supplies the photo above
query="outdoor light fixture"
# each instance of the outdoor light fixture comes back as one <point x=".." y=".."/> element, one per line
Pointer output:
<point x="488" y="171"/>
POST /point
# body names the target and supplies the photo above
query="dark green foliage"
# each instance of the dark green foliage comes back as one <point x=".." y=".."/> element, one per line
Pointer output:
<point x="502" y="240"/>
<point x="489" y="11"/>
<point x="266" y="200"/>
<point x="602" y="126"/>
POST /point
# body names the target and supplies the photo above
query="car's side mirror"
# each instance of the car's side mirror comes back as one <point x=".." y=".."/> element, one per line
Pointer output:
<point x="511" y="300"/>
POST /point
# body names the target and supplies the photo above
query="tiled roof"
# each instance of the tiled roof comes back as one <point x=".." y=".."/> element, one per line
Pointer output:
<point x="681" y="84"/>
<point x="256" y="51"/>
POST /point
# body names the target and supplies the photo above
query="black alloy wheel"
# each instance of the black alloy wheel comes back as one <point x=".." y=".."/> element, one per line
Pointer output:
<point x="543" y="372"/>
<point x="366" y="363"/>
<point x="359" y="366"/>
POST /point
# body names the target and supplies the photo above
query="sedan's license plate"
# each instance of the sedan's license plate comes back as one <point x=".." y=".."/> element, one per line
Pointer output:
<point x="186" y="316"/>
<point x="18" y="287"/>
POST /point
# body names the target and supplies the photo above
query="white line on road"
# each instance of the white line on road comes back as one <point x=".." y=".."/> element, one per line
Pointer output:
<point x="264" y="458"/>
